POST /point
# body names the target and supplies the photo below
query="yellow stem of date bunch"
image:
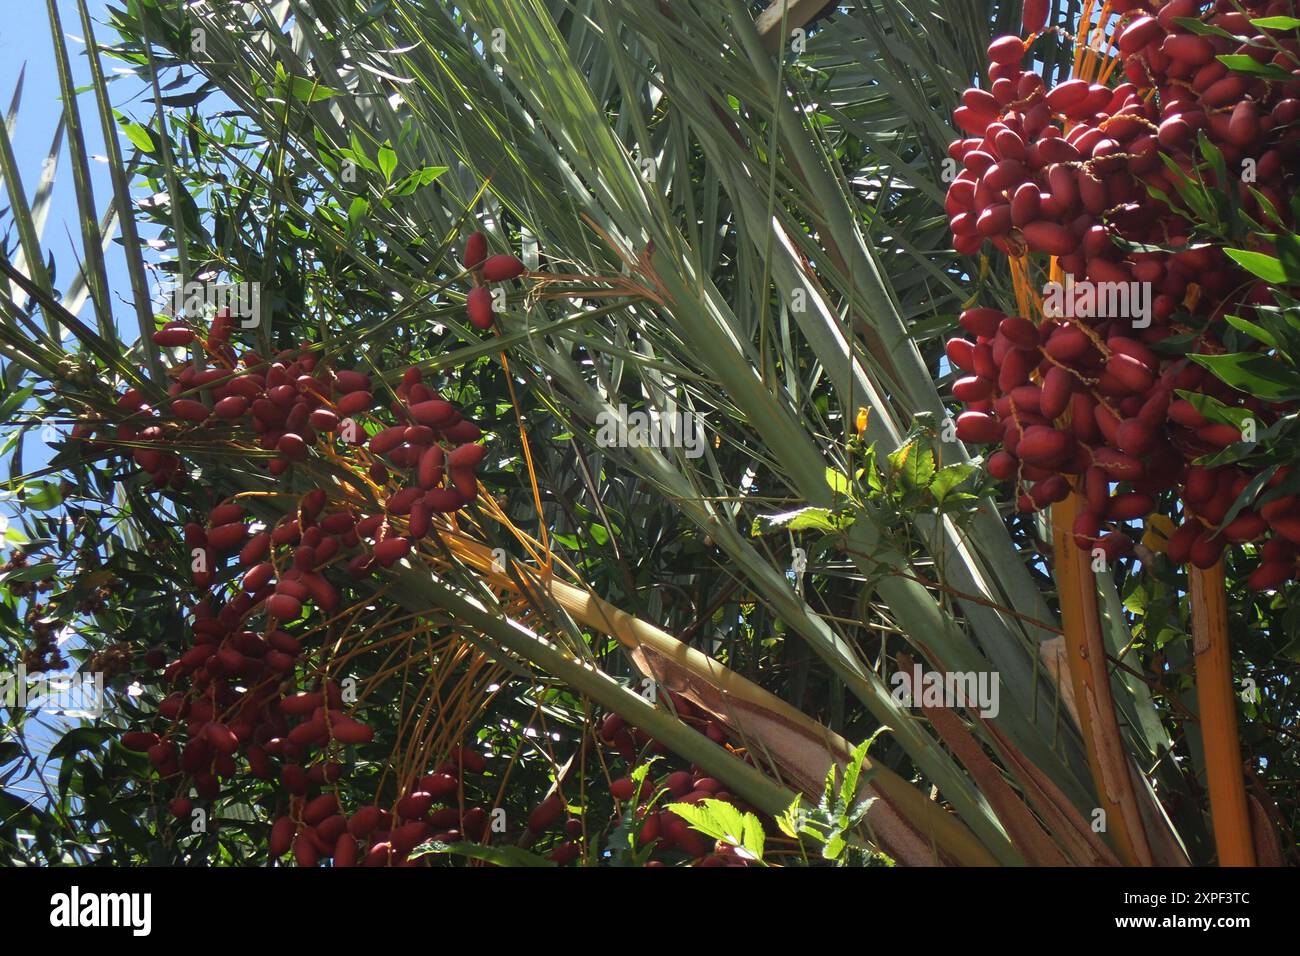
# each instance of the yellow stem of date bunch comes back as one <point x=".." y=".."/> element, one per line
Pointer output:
<point x="1225" y="780"/>
<point x="1090" y="677"/>
<point x="1081" y="625"/>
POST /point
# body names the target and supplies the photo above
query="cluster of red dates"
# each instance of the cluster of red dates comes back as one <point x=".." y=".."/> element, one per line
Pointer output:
<point x="236" y="708"/>
<point x="1092" y="398"/>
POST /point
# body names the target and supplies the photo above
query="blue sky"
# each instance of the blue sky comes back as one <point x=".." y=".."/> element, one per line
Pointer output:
<point x="25" y="44"/>
<point x="27" y="51"/>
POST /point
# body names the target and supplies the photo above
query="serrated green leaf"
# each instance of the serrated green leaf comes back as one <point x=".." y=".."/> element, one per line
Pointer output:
<point x="722" y="821"/>
<point x="948" y="478"/>
<point x="838" y="481"/>
<point x="849" y="786"/>
<point x="788" y="822"/>
<point x="913" y="465"/>
<point x="728" y="819"/>
<point x="869" y="468"/>
<point x="827" y="804"/>
<point x="802" y="519"/>
<point x="752" y="837"/>
<point x="641" y="770"/>
<point x="858" y="812"/>
<point x="834" y="846"/>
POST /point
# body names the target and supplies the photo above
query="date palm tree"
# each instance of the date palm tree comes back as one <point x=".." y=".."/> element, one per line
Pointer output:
<point x="731" y="214"/>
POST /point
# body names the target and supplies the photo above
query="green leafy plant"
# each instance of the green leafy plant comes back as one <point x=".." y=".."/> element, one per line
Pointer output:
<point x="838" y="814"/>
